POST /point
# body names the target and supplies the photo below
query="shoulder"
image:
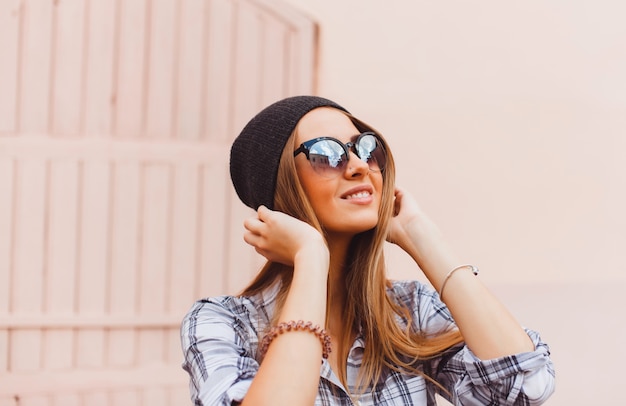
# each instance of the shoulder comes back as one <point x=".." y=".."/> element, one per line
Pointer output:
<point x="234" y="318"/>
<point x="224" y="306"/>
<point x="428" y="312"/>
<point x="219" y="338"/>
<point x="257" y="308"/>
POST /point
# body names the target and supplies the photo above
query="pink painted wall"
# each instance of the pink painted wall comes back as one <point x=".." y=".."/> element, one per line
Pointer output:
<point x="116" y="119"/>
<point x="508" y="121"/>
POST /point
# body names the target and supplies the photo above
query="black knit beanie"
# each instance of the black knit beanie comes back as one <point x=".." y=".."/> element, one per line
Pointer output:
<point x="255" y="153"/>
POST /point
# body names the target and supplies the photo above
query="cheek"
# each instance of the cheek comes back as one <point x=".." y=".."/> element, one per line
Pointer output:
<point x="320" y="195"/>
<point x="318" y="190"/>
<point x="377" y="182"/>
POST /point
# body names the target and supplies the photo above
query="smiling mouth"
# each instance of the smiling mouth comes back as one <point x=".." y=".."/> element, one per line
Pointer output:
<point x="359" y="195"/>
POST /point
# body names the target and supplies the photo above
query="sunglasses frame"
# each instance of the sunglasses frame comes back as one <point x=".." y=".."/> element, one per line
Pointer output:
<point x="347" y="147"/>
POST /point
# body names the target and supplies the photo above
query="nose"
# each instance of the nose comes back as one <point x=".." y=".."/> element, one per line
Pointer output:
<point x="356" y="167"/>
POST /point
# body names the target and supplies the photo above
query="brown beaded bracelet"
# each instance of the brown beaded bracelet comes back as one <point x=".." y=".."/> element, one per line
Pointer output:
<point x="295" y="326"/>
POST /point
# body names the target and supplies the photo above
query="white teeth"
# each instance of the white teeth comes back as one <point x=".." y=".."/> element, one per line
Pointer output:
<point x="358" y="195"/>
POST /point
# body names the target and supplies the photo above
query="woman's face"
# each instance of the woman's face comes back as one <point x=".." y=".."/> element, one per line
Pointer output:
<point x="347" y="203"/>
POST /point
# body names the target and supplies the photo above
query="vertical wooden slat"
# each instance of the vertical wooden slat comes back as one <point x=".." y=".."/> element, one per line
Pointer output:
<point x="9" y="41"/>
<point x="183" y="261"/>
<point x="219" y="58"/>
<point x="274" y="61"/>
<point x="90" y="344"/>
<point x="188" y="100"/>
<point x="155" y="250"/>
<point x="155" y="255"/>
<point x="301" y="58"/>
<point x="242" y="261"/>
<point x="247" y="87"/>
<point x="4" y="350"/>
<point x="67" y="67"/>
<point x="25" y="350"/>
<point x="58" y="349"/>
<point x="125" y="222"/>
<point x="6" y="245"/>
<point x="153" y="346"/>
<point x="161" y="62"/>
<point x="211" y="278"/>
<point x="128" y="114"/>
<point x="173" y="355"/>
<point x="121" y="347"/>
<point x="34" y="84"/>
<point x="7" y="174"/>
<point x="93" y="254"/>
<point x="124" y="260"/>
<point x="99" y="63"/>
<point x="27" y="286"/>
<point x="184" y="230"/>
<point x="60" y="286"/>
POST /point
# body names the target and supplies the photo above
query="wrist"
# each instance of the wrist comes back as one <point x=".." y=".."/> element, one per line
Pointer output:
<point x="468" y="267"/>
<point x="307" y="295"/>
<point x="423" y="240"/>
<point x="314" y="258"/>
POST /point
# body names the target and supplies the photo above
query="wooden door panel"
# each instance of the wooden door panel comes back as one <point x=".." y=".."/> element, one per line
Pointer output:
<point x="116" y="208"/>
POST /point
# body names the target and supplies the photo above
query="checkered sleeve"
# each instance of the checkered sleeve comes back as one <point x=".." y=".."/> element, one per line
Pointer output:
<point x="217" y="354"/>
<point x="520" y="379"/>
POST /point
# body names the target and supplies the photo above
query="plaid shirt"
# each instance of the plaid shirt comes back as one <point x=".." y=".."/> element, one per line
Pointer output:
<point x="220" y="337"/>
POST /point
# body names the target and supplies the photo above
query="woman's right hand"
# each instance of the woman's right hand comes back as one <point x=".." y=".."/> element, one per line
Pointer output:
<point x="294" y="357"/>
<point x="279" y="237"/>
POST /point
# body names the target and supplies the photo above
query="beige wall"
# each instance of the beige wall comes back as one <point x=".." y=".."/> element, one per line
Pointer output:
<point x="508" y="121"/>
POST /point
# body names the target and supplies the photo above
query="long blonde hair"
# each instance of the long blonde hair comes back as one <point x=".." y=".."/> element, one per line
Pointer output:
<point x="368" y="306"/>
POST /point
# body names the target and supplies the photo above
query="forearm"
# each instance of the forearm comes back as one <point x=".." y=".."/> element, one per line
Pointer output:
<point x="488" y="328"/>
<point x="289" y="372"/>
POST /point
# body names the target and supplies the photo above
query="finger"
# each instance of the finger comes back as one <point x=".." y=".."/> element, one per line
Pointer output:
<point x="251" y="238"/>
<point x="263" y="213"/>
<point x="253" y="224"/>
<point x="398" y="193"/>
<point x="397" y="204"/>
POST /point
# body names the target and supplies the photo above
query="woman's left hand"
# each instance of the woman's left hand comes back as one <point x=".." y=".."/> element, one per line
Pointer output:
<point x="409" y="222"/>
<point x="405" y="212"/>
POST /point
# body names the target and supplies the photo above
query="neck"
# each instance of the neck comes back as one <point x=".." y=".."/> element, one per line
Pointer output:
<point x="338" y="247"/>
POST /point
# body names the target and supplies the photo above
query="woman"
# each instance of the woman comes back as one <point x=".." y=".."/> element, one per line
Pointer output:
<point x="322" y="184"/>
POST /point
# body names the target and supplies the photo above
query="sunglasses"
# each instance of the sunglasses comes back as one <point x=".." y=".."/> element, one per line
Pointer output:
<point x="328" y="156"/>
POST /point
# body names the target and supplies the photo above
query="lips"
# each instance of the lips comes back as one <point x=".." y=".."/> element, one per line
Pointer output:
<point x="359" y="192"/>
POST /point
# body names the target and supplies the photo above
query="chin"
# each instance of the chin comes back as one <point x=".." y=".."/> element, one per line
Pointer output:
<point x="360" y="226"/>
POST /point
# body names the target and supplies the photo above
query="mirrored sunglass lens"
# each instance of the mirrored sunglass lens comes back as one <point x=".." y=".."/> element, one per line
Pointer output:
<point x="369" y="150"/>
<point x="327" y="156"/>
